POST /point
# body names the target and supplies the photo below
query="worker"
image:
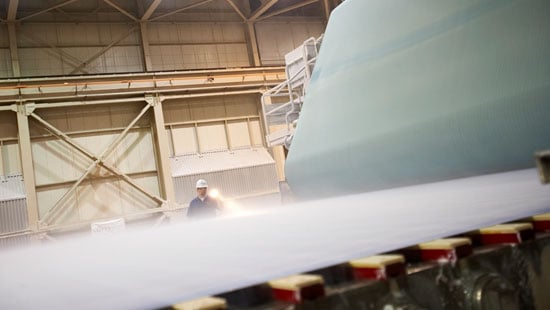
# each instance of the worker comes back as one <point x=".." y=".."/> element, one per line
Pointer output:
<point x="203" y="206"/>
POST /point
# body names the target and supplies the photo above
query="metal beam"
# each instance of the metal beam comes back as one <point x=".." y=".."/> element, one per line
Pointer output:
<point x="12" y="10"/>
<point x="46" y="10"/>
<point x="25" y="153"/>
<point x="181" y="9"/>
<point x="54" y="212"/>
<point x="103" y="50"/>
<point x="163" y="151"/>
<point x="327" y="9"/>
<point x="150" y="10"/>
<point x="12" y="37"/>
<point x="236" y="8"/>
<point x="287" y="9"/>
<point x="121" y="10"/>
<point x="144" y="39"/>
<point x="259" y="11"/>
<point x="145" y="46"/>
<point x="14" y="51"/>
<point x="253" y="52"/>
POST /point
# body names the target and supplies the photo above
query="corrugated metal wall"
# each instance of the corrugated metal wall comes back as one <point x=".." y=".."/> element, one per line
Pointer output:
<point x="13" y="207"/>
<point x="12" y="241"/>
<point x="213" y="124"/>
<point x="237" y="174"/>
<point x="51" y="49"/>
<point x="5" y="58"/>
<point x="276" y="39"/>
<point x="13" y="215"/>
<point x="197" y="45"/>
<point x="76" y="44"/>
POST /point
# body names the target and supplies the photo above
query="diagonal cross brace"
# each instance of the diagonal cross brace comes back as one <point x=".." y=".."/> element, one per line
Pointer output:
<point x="54" y="212"/>
<point x="102" y="51"/>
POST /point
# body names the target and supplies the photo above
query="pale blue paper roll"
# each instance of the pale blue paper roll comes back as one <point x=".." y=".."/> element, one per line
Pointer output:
<point x="408" y="92"/>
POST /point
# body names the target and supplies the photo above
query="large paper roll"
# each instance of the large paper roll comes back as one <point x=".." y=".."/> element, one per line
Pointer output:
<point x="414" y="92"/>
<point x="155" y="268"/>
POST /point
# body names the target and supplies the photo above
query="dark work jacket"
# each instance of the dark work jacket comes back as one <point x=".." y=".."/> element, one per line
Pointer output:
<point x="202" y="209"/>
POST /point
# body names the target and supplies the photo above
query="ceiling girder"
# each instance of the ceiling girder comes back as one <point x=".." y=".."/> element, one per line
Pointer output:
<point x="150" y="10"/>
<point x="181" y="9"/>
<point x="12" y="10"/>
<point x="287" y="9"/>
<point x="121" y="10"/>
<point x="237" y="9"/>
<point x="262" y="9"/>
<point x="46" y="10"/>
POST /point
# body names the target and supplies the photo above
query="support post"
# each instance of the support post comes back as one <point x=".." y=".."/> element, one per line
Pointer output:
<point x="253" y="53"/>
<point x="145" y="46"/>
<point x="25" y="153"/>
<point x="14" y="52"/>
<point x="163" y="151"/>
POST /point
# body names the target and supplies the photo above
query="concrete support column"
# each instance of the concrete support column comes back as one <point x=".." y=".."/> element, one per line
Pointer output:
<point x="25" y="153"/>
<point x="163" y="152"/>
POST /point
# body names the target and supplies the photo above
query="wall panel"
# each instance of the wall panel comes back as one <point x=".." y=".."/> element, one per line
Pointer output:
<point x="198" y="56"/>
<point x="209" y="110"/>
<point x="275" y="40"/>
<point x="4" y="40"/>
<point x="176" y="111"/>
<point x="135" y="201"/>
<point x="56" y="162"/>
<point x="239" y="136"/>
<point x="101" y="195"/>
<point x="8" y="124"/>
<point x="197" y="45"/>
<point x="47" y="199"/>
<point x="5" y="63"/>
<point x="184" y="140"/>
<point x="173" y="46"/>
<point x="201" y="110"/>
<point x="41" y="62"/>
<point x="135" y="153"/>
<point x="256" y="133"/>
<point x="99" y="199"/>
<point x="11" y="164"/>
<point x="53" y="162"/>
<point x="75" y="44"/>
<point x="212" y="137"/>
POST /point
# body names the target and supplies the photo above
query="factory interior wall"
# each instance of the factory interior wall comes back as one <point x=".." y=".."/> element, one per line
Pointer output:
<point x="9" y="149"/>
<point x="75" y="49"/>
<point x="89" y="38"/>
<point x="57" y="165"/>
<point x="276" y="39"/>
<point x="212" y="124"/>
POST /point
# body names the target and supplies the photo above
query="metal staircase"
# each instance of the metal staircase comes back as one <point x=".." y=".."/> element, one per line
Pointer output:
<point x="282" y="104"/>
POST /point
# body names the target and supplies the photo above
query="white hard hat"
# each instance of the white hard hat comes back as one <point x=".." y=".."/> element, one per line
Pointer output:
<point x="201" y="183"/>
